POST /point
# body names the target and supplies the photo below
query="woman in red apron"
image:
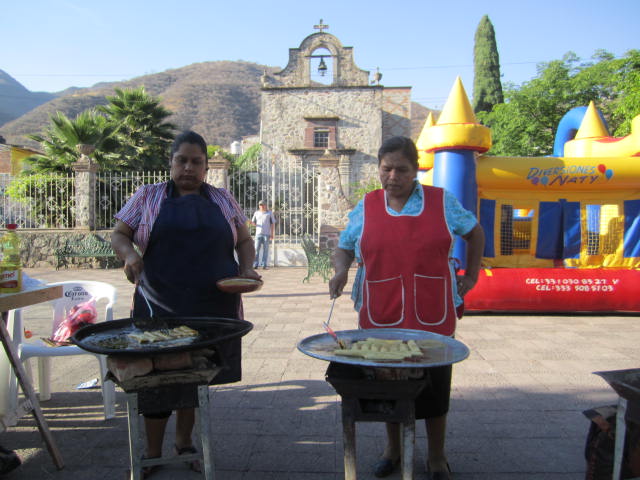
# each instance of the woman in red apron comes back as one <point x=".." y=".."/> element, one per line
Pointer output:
<point x="188" y="232"/>
<point x="402" y="236"/>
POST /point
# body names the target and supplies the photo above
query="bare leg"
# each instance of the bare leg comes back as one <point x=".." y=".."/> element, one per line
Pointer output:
<point x="185" y="419"/>
<point x="392" y="450"/>
<point x="155" y="428"/>
<point x="436" y="433"/>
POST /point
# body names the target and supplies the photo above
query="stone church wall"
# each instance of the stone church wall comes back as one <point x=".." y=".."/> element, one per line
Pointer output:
<point x="396" y="116"/>
<point x="359" y="126"/>
<point x="355" y="113"/>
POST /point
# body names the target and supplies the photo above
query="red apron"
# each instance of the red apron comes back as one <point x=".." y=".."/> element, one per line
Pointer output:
<point x="407" y="280"/>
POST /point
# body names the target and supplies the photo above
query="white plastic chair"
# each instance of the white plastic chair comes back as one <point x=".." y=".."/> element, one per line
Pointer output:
<point x="73" y="292"/>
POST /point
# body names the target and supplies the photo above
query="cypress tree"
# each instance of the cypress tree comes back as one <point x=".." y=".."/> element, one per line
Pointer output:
<point x="487" y="89"/>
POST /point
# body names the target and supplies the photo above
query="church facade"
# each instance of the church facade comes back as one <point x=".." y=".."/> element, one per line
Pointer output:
<point x="343" y="117"/>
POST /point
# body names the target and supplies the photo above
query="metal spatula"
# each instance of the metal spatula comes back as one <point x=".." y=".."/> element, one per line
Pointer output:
<point x="329" y="329"/>
<point x="141" y="290"/>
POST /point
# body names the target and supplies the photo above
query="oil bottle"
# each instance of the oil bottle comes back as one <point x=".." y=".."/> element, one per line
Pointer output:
<point x="11" y="265"/>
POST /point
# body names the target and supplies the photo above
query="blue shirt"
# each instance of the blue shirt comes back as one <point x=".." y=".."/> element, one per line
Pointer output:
<point x="460" y="221"/>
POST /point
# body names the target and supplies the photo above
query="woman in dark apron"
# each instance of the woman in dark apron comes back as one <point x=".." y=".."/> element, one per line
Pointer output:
<point x="190" y="234"/>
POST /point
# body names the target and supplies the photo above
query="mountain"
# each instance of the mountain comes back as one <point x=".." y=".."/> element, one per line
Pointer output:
<point x="16" y="100"/>
<point x="220" y="100"/>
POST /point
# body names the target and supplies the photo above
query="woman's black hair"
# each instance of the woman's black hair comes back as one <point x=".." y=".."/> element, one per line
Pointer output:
<point x="189" y="136"/>
<point x="402" y="144"/>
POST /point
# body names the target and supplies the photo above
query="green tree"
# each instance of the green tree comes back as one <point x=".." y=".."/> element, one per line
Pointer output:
<point x="60" y="139"/>
<point x="249" y="159"/>
<point x="360" y="189"/>
<point x="526" y="123"/>
<point x="49" y="197"/>
<point x="487" y="88"/>
<point x="129" y="133"/>
<point x="45" y="185"/>
<point x="212" y="149"/>
<point x="141" y="129"/>
<point x="627" y="105"/>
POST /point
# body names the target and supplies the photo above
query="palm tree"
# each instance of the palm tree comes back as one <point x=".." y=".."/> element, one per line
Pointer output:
<point x="50" y="196"/>
<point x="141" y="129"/>
<point x="60" y="139"/>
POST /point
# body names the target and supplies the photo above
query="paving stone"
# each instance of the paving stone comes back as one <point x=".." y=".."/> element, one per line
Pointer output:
<point x="516" y="408"/>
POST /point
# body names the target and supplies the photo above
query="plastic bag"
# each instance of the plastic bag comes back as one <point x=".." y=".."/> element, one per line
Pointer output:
<point x="82" y="314"/>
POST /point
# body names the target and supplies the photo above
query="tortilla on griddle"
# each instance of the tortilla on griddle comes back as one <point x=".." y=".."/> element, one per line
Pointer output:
<point x="381" y="349"/>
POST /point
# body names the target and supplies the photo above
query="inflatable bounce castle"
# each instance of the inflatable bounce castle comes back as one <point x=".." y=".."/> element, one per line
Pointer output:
<point x="562" y="232"/>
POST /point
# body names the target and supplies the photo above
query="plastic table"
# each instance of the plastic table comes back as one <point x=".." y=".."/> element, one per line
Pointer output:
<point x="11" y="301"/>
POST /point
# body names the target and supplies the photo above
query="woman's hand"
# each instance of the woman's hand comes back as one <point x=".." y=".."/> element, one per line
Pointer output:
<point x="342" y="260"/>
<point x="249" y="273"/>
<point x="246" y="254"/>
<point x="464" y="283"/>
<point x="121" y="241"/>
<point x="337" y="283"/>
<point x="133" y="266"/>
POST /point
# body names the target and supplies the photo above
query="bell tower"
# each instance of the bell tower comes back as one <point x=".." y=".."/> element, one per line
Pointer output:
<point x="318" y="55"/>
<point x="323" y="105"/>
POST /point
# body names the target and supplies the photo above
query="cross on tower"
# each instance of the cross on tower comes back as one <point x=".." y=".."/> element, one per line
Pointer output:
<point x="321" y="26"/>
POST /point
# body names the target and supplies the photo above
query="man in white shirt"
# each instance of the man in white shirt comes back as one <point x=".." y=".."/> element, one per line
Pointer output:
<point x="264" y="221"/>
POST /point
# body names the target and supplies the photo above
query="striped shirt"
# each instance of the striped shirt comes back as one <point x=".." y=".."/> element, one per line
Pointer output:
<point x="142" y="209"/>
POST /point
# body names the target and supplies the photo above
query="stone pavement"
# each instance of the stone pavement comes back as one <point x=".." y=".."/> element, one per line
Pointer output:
<point x="516" y="410"/>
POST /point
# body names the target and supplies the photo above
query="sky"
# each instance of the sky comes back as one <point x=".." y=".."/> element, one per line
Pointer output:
<point x="425" y="44"/>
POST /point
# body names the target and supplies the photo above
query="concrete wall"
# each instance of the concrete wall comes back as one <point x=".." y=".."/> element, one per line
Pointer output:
<point x="38" y="247"/>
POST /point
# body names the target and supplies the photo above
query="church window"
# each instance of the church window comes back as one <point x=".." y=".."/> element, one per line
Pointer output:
<point x="321" y="137"/>
<point x="320" y="132"/>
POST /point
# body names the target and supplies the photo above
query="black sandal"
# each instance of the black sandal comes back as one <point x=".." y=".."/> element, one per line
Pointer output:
<point x="146" y="471"/>
<point x="385" y="467"/>
<point x="150" y="470"/>
<point x="193" y="465"/>
<point x="9" y="460"/>
<point x="438" y="475"/>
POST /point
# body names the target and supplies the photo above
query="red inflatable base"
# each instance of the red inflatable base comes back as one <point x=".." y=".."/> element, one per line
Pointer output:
<point x="555" y="290"/>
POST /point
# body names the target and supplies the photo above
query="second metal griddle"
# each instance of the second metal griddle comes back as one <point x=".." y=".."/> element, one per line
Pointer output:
<point x="442" y="350"/>
<point x="211" y="330"/>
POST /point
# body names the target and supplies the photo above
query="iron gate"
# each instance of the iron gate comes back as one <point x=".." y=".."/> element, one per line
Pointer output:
<point x="289" y="188"/>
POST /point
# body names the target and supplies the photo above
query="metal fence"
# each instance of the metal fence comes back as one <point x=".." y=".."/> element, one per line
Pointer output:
<point x="38" y="201"/>
<point x="113" y="189"/>
<point x="289" y="188"/>
<point x="49" y="200"/>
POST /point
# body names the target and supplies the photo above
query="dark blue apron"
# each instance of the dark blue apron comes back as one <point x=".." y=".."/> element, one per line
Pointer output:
<point x="191" y="247"/>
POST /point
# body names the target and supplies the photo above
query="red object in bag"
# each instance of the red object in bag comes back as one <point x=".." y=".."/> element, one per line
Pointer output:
<point x="82" y="314"/>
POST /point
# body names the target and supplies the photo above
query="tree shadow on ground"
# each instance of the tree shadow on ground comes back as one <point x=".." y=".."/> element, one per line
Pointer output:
<point x="292" y="429"/>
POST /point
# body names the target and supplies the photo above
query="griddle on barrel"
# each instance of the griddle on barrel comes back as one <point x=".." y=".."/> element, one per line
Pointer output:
<point x="211" y="330"/>
<point x="167" y="390"/>
<point x="378" y="391"/>
<point x="366" y="397"/>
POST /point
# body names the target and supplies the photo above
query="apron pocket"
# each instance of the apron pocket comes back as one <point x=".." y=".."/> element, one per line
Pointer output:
<point x="385" y="301"/>
<point x="430" y="299"/>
